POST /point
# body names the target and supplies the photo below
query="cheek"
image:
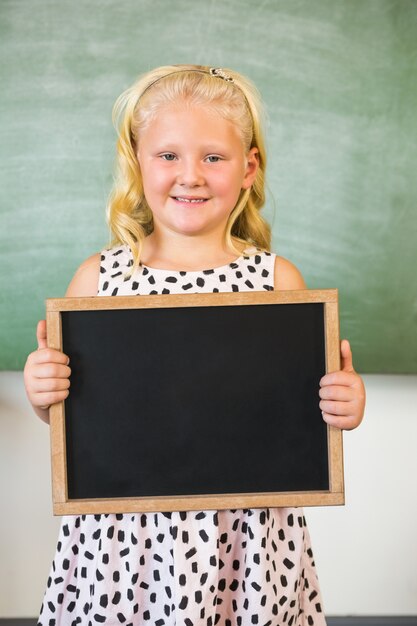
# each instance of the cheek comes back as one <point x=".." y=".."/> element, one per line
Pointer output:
<point x="230" y="183"/>
<point x="155" y="179"/>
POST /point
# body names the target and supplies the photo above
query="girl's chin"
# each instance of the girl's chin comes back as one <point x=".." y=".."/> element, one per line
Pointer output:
<point x="192" y="232"/>
<point x="196" y="228"/>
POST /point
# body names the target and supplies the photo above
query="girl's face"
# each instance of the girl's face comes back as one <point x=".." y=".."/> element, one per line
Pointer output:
<point x="194" y="165"/>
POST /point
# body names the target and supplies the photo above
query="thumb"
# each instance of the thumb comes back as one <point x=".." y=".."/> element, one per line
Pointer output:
<point x="41" y="335"/>
<point x="346" y="356"/>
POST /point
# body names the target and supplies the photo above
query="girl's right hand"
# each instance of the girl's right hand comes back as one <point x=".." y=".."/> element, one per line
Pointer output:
<point x="46" y="375"/>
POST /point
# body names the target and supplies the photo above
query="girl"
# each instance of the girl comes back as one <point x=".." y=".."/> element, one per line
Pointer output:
<point x="185" y="214"/>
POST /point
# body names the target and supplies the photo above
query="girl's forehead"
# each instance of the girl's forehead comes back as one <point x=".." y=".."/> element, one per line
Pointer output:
<point x="184" y="118"/>
<point x="184" y="109"/>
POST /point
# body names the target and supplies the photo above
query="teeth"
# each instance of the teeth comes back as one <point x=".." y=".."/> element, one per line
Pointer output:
<point x="190" y="200"/>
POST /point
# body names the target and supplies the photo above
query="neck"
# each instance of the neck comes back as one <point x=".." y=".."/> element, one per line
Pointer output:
<point x="177" y="252"/>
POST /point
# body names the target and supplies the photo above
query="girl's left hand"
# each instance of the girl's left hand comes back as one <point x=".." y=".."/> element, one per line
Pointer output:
<point x="342" y="394"/>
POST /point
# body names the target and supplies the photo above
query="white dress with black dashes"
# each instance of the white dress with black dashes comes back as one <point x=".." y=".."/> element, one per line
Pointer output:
<point x="200" y="568"/>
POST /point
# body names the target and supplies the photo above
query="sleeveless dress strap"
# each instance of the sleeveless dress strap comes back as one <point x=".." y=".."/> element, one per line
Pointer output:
<point x="114" y="269"/>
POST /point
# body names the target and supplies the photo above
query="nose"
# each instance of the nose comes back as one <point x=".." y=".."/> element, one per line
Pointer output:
<point x="190" y="173"/>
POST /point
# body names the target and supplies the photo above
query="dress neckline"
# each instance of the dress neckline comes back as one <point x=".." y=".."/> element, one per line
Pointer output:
<point x="209" y="269"/>
<point x="245" y="255"/>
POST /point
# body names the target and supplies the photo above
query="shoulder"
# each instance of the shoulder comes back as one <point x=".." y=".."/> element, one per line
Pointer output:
<point x="85" y="279"/>
<point x="287" y="276"/>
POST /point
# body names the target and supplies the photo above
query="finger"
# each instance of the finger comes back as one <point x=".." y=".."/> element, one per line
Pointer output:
<point x="48" y="355"/>
<point x="47" y="385"/>
<point x="342" y="422"/>
<point x="346" y="356"/>
<point x="44" y="400"/>
<point x="334" y="392"/>
<point x="336" y="408"/>
<point x="51" y="370"/>
<point x="341" y="378"/>
<point x="41" y="335"/>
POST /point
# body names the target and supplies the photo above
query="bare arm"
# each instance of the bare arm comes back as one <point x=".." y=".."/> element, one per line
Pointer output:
<point x="342" y="394"/>
<point x="287" y="276"/>
<point x="85" y="280"/>
<point x="46" y="373"/>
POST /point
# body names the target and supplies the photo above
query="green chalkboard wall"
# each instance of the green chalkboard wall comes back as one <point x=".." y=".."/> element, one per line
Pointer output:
<point x="339" y="78"/>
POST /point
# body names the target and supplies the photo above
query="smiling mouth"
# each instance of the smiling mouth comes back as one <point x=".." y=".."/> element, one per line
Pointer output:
<point x="190" y="200"/>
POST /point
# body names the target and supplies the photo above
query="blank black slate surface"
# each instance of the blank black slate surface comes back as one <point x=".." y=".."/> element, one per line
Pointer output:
<point x="195" y="400"/>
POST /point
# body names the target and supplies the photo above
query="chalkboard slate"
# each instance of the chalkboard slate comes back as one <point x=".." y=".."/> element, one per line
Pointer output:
<point x="182" y="401"/>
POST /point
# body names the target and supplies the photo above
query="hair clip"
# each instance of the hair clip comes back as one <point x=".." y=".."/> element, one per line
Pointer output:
<point x="219" y="73"/>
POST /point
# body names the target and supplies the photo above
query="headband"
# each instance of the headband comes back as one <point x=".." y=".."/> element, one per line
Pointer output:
<point x="217" y="72"/>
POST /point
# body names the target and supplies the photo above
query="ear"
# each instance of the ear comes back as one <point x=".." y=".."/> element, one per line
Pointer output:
<point x="252" y="165"/>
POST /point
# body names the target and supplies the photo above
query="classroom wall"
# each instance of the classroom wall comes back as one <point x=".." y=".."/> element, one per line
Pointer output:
<point x="365" y="551"/>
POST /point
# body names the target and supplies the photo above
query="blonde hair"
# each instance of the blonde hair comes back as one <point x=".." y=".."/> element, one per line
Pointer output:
<point x="129" y="216"/>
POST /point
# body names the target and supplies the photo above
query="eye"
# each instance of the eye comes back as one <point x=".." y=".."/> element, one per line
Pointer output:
<point x="168" y="156"/>
<point x="213" y="158"/>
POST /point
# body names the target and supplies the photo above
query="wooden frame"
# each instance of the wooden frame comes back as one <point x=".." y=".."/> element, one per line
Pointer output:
<point x="63" y="504"/>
